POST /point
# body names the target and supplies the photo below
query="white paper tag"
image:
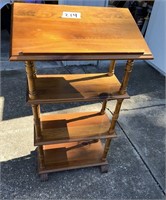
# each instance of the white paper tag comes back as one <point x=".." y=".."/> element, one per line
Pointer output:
<point x="75" y="15"/>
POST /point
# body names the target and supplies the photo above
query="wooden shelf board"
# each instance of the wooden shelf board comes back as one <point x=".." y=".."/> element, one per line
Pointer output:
<point x="59" y="128"/>
<point x="58" y="157"/>
<point x="76" y="87"/>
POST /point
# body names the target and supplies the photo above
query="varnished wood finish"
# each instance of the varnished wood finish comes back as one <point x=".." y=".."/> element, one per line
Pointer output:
<point x="41" y="160"/>
<point x="31" y="76"/>
<point x="36" y="116"/>
<point x="68" y="158"/>
<point x="60" y="128"/>
<point x="104" y="104"/>
<point x="45" y="35"/>
<point x="116" y="114"/>
<point x="89" y="56"/>
<point x="112" y="68"/>
<point x="40" y="33"/>
<point x="76" y="87"/>
<point x="126" y="76"/>
<point x="112" y="127"/>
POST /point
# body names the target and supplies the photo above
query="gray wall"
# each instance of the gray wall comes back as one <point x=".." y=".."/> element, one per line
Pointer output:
<point x="156" y="36"/>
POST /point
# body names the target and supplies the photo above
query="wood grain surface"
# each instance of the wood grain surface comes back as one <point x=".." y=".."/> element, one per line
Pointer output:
<point x="76" y="87"/>
<point x="67" y="158"/>
<point x="59" y="128"/>
<point x="39" y="32"/>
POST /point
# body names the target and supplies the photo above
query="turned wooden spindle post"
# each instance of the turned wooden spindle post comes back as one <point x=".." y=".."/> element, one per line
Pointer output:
<point x="31" y="75"/>
<point x="41" y="157"/>
<point x="112" y="127"/>
<point x="128" y="70"/>
<point x="36" y="115"/>
<point x="104" y="104"/>
<point x="33" y="68"/>
<point x="112" y="68"/>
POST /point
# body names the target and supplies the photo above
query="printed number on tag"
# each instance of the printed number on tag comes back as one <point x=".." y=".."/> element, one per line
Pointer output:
<point x="75" y="15"/>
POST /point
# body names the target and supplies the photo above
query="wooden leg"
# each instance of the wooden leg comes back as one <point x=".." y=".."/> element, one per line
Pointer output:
<point x="41" y="157"/>
<point x="36" y="115"/>
<point x="98" y="62"/>
<point x="112" y="127"/>
<point x="115" y="114"/>
<point x="128" y="69"/>
<point x="44" y="177"/>
<point x="106" y="149"/>
<point x="102" y="112"/>
<point x="112" y="68"/>
<point x="33" y="69"/>
<point x="31" y="75"/>
<point x="104" y="168"/>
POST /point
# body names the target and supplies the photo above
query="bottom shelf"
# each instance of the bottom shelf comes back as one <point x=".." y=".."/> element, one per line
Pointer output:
<point x="59" y="157"/>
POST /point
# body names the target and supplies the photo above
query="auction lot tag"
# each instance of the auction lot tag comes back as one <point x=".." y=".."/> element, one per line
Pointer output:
<point x="75" y="15"/>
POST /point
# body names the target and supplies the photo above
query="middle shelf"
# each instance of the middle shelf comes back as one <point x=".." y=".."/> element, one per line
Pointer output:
<point x="59" y="128"/>
<point x="76" y="87"/>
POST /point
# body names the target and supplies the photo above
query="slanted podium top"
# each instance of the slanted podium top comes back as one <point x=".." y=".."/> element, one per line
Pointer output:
<point x="42" y="32"/>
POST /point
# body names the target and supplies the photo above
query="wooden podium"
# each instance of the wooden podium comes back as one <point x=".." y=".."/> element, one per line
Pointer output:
<point x="56" y="32"/>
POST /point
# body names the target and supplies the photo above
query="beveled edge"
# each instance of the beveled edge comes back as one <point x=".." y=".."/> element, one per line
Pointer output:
<point x="87" y="56"/>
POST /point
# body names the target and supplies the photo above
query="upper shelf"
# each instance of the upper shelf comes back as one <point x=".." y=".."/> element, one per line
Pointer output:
<point x="40" y="33"/>
<point x="76" y="87"/>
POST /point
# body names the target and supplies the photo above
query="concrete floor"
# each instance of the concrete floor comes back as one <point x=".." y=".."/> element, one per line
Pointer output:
<point x="136" y="158"/>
